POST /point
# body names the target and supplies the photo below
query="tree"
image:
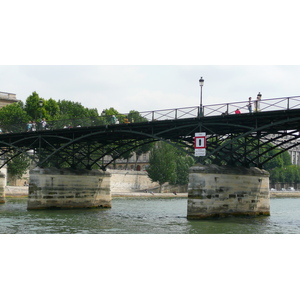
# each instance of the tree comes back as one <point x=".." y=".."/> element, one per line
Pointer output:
<point x="183" y="163"/>
<point x="52" y="109"/>
<point x="135" y="117"/>
<point x="33" y="108"/>
<point x="13" y="117"/>
<point x="145" y="148"/>
<point x="74" y="114"/>
<point x="162" y="165"/>
<point x="18" y="165"/>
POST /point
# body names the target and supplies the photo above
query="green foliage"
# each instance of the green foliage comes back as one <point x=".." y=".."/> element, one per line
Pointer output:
<point x="107" y="114"/>
<point x="73" y="114"/>
<point x="18" y="165"/>
<point x="168" y="164"/>
<point x="183" y="163"/>
<point x="135" y="117"/>
<point x="52" y="110"/>
<point x="33" y="108"/>
<point x="13" y="118"/>
<point x="288" y="174"/>
<point x="162" y="164"/>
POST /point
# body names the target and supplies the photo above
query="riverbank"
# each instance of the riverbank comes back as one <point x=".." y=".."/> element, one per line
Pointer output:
<point x="285" y="194"/>
<point x="22" y="191"/>
<point x="148" y="195"/>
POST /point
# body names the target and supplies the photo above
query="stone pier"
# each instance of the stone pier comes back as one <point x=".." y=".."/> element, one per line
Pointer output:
<point x="2" y="188"/>
<point x="68" y="188"/>
<point x="217" y="191"/>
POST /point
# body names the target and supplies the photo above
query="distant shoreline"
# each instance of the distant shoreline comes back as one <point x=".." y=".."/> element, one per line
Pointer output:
<point x="285" y="194"/>
<point x="22" y="191"/>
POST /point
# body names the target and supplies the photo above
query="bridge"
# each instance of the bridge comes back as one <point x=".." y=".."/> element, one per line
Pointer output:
<point x="244" y="139"/>
<point x="235" y="143"/>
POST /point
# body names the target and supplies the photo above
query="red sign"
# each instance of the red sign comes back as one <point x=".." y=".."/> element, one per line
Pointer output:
<point x="200" y="142"/>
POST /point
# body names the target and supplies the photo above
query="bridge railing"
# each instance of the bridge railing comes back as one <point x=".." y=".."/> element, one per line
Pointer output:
<point x="171" y="114"/>
<point x="273" y="104"/>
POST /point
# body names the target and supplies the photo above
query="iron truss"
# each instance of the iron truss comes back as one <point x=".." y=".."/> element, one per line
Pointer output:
<point x="241" y="140"/>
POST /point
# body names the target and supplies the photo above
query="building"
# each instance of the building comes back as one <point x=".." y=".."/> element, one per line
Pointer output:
<point x="7" y="98"/>
<point x="132" y="164"/>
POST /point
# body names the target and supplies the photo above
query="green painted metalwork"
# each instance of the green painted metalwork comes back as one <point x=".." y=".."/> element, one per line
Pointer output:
<point x="244" y="139"/>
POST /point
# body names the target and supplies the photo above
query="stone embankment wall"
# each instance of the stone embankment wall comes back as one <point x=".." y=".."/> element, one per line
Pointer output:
<point x="138" y="181"/>
<point x="130" y="181"/>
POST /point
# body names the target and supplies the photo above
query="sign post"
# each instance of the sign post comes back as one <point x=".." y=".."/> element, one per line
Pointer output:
<point x="200" y="143"/>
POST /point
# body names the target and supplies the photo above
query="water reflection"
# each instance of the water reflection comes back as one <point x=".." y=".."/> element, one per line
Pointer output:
<point x="144" y="216"/>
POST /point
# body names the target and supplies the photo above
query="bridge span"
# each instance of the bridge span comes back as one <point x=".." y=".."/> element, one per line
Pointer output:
<point x="232" y="139"/>
<point x="239" y="141"/>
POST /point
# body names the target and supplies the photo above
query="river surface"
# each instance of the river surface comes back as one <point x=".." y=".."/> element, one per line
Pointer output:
<point x="144" y="216"/>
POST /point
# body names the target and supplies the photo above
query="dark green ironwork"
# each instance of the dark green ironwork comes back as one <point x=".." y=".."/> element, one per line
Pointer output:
<point x="241" y="140"/>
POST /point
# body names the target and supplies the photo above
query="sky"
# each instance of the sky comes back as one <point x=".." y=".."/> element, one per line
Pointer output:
<point x="149" y="87"/>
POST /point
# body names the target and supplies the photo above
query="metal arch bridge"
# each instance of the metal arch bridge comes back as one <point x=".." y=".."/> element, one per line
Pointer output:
<point x="246" y="139"/>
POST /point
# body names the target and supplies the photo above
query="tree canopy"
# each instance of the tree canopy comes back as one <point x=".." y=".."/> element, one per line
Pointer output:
<point x="168" y="164"/>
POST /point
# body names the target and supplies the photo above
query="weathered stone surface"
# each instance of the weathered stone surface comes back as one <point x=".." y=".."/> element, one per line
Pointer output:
<point x="2" y="188"/>
<point x="68" y="188"/>
<point x="215" y="191"/>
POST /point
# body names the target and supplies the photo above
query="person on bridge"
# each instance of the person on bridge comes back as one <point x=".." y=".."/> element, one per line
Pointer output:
<point x="33" y="127"/>
<point x="113" y="119"/>
<point x="257" y="103"/>
<point x="250" y="105"/>
<point x="29" y="126"/>
<point x="237" y="111"/>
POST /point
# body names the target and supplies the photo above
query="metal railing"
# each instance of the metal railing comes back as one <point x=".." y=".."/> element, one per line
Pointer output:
<point x="273" y="104"/>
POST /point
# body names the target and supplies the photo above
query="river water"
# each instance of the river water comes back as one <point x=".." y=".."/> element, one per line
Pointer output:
<point x="144" y="216"/>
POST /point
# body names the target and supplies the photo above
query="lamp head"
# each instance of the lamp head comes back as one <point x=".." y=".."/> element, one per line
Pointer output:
<point x="201" y="81"/>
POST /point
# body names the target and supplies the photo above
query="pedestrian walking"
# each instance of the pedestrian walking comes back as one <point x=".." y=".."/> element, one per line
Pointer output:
<point x="33" y="127"/>
<point x="250" y="105"/>
<point x="29" y="126"/>
<point x="257" y="102"/>
<point x="113" y="119"/>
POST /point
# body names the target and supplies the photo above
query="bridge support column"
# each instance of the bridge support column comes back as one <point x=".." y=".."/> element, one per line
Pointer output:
<point x="2" y="188"/>
<point x="216" y="191"/>
<point x="68" y="188"/>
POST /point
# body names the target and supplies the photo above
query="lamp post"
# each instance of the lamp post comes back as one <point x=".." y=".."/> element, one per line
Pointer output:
<point x="201" y="83"/>
<point x="41" y="105"/>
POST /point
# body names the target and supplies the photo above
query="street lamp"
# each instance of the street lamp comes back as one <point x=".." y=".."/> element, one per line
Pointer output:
<point x="41" y="105"/>
<point x="201" y="83"/>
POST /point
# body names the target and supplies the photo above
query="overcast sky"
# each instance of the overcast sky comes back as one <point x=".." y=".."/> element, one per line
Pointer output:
<point x="149" y="87"/>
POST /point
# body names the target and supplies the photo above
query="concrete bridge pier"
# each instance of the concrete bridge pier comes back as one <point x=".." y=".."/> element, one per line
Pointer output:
<point x="2" y="188"/>
<point x="217" y="191"/>
<point x="68" y="188"/>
